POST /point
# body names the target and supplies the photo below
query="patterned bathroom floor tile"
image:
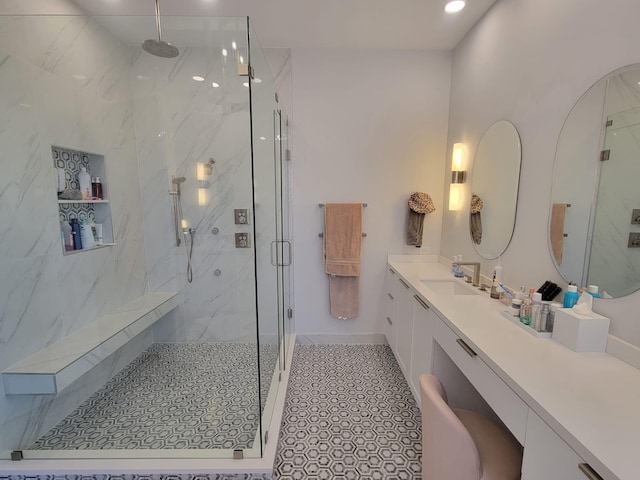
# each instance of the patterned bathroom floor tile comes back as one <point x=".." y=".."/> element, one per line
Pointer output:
<point x="173" y="396"/>
<point x="349" y="414"/>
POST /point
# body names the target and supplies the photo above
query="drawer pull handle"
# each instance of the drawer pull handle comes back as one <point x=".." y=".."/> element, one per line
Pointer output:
<point x="466" y="347"/>
<point x="421" y="302"/>
<point x="402" y="282"/>
<point x="589" y="472"/>
<point x="389" y="320"/>
<point x="390" y="296"/>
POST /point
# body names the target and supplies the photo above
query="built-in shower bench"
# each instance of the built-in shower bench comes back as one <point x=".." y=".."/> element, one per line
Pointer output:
<point x="50" y="370"/>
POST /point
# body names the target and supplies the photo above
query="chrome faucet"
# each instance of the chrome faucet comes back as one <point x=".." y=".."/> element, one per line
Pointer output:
<point x="476" y="271"/>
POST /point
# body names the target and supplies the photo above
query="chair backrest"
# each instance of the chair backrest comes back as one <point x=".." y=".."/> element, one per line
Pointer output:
<point x="448" y="451"/>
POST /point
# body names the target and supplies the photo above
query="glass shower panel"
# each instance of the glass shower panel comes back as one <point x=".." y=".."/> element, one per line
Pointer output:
<point x="167" y="129"/>
<point x="264" y="141"/>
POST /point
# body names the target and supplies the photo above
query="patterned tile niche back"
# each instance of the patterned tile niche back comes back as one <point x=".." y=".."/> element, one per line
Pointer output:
<point x="173" y="396"/>
<point x="71" y="161"/>
<point x="349" y="414"/>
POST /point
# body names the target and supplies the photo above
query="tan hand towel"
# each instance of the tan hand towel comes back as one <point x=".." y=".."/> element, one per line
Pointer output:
<point x="342" y="244"/>
<point x="556" y="230"/>
<point x="342" y="239"/>
<point x="415" y="226"/>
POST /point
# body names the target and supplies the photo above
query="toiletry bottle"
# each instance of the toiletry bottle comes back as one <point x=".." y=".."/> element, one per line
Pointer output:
<point x="96" y="188"/>
<point x="593" y="291"/>
<point x="494" y="287"/>
<point x="61" y="181"/>
<point x="84" y="181"/>
<point x="86" y="235"/>
<point x="536" y="305"/>
<point x="454" y="264"/>
<point x="67" y="235"/>
<point x="525" y="310"/>
<point x="516" y="305"/>
<point x="75" y="230"/>
<point x="459" y="273"/>
<point x="544" y="316"/>
<point x="570" y="296"/>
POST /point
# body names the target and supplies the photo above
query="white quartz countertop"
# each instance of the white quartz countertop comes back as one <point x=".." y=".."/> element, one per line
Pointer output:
<point x="592" y="400"/>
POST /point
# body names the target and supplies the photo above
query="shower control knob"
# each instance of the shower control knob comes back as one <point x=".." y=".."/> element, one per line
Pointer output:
<point x="242" y="240"/>
<point x="241" y="216"/>
<point x="243" y="243"/>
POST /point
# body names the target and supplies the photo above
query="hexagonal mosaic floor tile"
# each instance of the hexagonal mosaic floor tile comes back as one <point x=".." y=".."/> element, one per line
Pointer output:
<point x="349" y="414"/>
<point x="173" y="396"/>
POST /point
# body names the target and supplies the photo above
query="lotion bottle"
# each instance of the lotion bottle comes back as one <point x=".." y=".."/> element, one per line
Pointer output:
<point x="84" y="181"/>
<point x="570" y="297"/>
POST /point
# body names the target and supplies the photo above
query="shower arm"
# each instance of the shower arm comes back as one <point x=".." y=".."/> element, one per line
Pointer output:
<point x="158" y="21"/>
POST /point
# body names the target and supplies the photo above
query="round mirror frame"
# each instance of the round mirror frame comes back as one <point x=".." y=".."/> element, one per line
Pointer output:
<point x="582" y="201"/>
<point x="494" y="189"/>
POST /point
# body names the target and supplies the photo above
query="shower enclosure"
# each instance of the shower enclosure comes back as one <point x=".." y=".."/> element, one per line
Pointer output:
<point x="192" y="151"/>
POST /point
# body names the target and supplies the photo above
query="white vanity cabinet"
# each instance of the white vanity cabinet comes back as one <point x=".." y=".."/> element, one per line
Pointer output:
<point x="404" y="327"/>
<point x="547" y="456"/>
<point x="390" y="302"/>
<point x="422" y="343"/>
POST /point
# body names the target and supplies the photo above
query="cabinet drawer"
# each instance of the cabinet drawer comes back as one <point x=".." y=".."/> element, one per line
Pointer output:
<point x="390" y="311"/>
<point x="546" y="455"/>
<point x="507" y="405"/>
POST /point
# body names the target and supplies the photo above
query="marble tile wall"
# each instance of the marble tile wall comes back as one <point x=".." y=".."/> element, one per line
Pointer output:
<point x="64" y="82"/>
<point x="181" y="123"/>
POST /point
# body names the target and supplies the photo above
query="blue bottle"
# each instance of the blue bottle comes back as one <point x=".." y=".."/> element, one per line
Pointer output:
<point x="75" y="231"/>
<point x="570" y="296"/>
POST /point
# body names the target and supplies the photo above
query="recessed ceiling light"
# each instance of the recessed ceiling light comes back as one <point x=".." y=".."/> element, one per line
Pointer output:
<point x="233" y="45"/>
<point x="224" y="52"/>
<point x="454" y="6"/>
<point x="198" y="78"/>
<point x="215" y="85"/>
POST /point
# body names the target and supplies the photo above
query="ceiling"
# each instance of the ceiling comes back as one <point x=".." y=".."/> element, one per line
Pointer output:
<point x="379" y="24"/>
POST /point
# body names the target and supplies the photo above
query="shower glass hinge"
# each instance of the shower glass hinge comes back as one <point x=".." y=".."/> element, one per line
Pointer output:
<point x="609" y="123"/>
<point x="604" y="155"/>
<point x="266" y="437"/>
<point x="279" y="376"/>
<point x="287" y="155"/>
<point x="276" y="97"/>
<point x="290" y="313"/>
<point x="16" y="455"/>
<point x="238" y="454"/>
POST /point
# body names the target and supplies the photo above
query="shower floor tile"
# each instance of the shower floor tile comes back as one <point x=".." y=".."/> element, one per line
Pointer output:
<point x="349" y="414"/>
<point x="173" y="396"/>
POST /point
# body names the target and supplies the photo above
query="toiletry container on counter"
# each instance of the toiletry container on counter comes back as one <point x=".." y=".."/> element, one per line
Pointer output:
<point x="570" y="296"/>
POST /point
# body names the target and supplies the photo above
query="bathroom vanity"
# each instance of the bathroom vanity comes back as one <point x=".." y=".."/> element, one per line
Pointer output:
<point x="576" y="414"/>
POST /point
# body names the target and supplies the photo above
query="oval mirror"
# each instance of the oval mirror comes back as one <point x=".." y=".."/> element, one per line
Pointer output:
<point x="494" y="189"/>
<point x="594" y="223"/>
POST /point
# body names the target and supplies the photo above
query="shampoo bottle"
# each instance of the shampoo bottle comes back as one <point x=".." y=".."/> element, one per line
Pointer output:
<point x="570" y="297"/>
<point x="84" y="181"/>
<point x="67" y="235"/>
<point x="75" y="231"/>
<point x="87" y="235"/>
<point x="593" y="291"/>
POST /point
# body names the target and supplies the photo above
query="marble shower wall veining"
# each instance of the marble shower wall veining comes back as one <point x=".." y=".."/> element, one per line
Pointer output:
<point x="63" y="81"/>
<point x="181" y="123"/>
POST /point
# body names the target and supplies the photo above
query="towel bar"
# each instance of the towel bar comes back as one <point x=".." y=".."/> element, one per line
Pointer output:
<point x="321" y="205"/>
<point x="322" y="234"/>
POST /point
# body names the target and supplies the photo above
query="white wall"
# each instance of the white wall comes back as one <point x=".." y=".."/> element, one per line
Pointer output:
<point x="528" y="61"/>
<point x="369" y="126"/>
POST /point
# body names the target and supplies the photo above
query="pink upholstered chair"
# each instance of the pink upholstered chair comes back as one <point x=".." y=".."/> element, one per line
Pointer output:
<point x="463" y="445"/>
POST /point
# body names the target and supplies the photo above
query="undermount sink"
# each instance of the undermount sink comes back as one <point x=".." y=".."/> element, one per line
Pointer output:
<point x="448" y="287"/>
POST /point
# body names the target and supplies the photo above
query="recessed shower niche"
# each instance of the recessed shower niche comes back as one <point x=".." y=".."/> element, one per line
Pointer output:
<point x="93" y="208"/>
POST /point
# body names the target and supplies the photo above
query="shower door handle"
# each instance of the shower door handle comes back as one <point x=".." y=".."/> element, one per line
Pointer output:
<point x="273" y="261"/>
<point x="288" y="243"/>
<point x="274" y="256"/>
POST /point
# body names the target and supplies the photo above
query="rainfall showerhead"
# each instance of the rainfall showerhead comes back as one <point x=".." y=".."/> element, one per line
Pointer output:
<point x="159" y="47"/>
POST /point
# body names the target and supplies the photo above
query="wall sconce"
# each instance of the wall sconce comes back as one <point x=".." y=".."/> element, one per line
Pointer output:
<point x="458" y="177"/>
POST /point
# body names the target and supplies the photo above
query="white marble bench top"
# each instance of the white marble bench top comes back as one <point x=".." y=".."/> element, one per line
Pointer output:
<point x="56" y="366"/>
